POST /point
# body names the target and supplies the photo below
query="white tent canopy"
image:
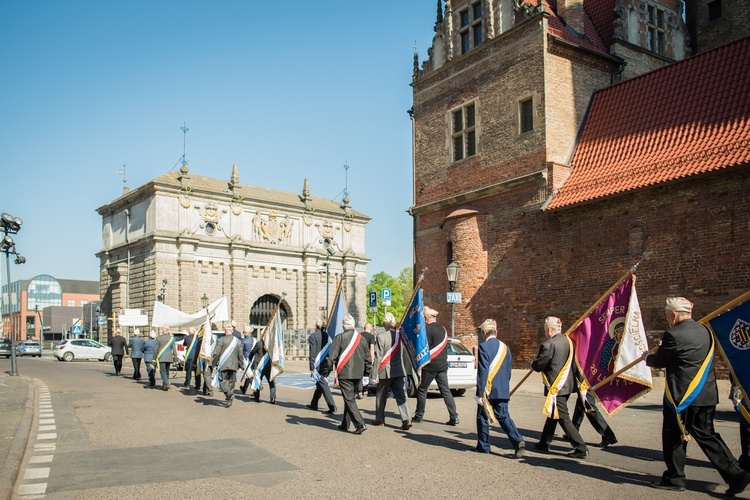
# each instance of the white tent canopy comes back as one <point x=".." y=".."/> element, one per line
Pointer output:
<point x="169" y="316"/>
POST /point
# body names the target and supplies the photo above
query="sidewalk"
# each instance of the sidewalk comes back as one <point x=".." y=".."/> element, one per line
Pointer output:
<point x="17" y="410"/>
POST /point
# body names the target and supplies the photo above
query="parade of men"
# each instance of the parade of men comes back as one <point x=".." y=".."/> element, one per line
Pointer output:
<point x="390" y="370"/>
<point x="350" y="352"/>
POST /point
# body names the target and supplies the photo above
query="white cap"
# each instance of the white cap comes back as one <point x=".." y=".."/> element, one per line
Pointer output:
<point x="679" y="304"/>
<point x="428" y="311"/>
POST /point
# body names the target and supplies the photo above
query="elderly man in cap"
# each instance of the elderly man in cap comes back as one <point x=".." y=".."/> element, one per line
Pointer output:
<point x="436" y="369"/>
<point x="493" y="390"/>
<point x="351" y="354"/>
<point x="136" y="352"/>
<point x="686" y="351"/>
<point x="555" y="360"/>
<point x="390" y="369"/>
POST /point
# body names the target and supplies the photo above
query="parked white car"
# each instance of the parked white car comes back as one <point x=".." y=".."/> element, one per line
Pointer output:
<point x="71" y="349"/>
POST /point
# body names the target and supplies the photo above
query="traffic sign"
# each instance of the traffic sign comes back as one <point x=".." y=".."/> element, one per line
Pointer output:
<point x="373" y="309"/>
<point x="454" y="297"/>
<point x="373" y="299"/>
<point x="76" y="329"/>
<point x="100" y="320"/>
<point x="385" y="294"/>
<point x="387" y="303"/>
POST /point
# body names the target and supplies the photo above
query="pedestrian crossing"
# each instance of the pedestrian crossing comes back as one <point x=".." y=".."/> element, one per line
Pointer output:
<point x="34" y="481"/>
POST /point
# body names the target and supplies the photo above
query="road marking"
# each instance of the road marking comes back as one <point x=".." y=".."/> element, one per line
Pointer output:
<point x="43" y="452"/>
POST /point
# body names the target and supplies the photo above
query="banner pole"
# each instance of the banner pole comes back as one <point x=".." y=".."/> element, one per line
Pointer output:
<point x="528" y="374"/>
<point x="335" y="296"/>
<point x="260" y="339"/>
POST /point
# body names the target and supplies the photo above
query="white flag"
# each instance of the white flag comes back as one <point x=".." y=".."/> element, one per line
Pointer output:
<point x="634" y="344"/>
<point x="274" y="341"/>
<point x="207" y="346"/>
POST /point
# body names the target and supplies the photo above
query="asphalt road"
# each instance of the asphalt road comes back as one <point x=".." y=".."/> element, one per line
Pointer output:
<point x="95" y="435"/>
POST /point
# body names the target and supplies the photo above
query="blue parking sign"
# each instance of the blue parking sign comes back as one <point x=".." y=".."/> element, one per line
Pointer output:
<point x="373" y="299"/>
<point x="385" y="294"/>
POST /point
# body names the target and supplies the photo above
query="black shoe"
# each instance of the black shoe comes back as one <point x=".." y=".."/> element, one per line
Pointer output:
<point x="606" y="442"/>
<point x="520" y="449"/>
<point x="376" y="422"/>
<point x="256" y="396"/>
<point x="416" y="420"/>
<point x="479" y="450"/>
<point x="183" y="385"/>
<point x="542" y="447"/>
<point x="330" y="410"/>
<point x="312" y="407"/>
<point x="738" y="484"/>
<point x="406" y="425"/>
<point x="342" y="427"/>
<point x="577" y="454"/>
<point x="243" y="389"/>
<point x="229" y="402"/>
<point x="360" y="430"/>
<point x="273" y="401"/>
<point x="666" y="486"/>
<point x="453" y="421"/>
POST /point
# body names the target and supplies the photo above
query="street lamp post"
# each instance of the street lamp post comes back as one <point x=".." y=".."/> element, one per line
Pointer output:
<point x="163" y="292"/>
<point x="11" y="225"/>
<point x="330" y="250"/>
<point x="204" y="301"/>
<point x="452" y="271"/>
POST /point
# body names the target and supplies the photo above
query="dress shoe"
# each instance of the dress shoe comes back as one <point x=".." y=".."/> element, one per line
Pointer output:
<point x="479" y="450"/>
<point x="330" y="410"/>
<point x="256" y="396"/>
<point x="229" y="402"/>
<point x="416" y="420"/>
<point x="606" y="442"/>
<point x="577" y="454"/>
<point x="183" y="385"/>
<point x="166" y="387"/>
<point x="243" y="389"/>
<point x="738" y="484"/>
<point x="453" y="421"/>
<point x="406" y="425"/>
<point x="273" y="401"/>
<point x="666" y="486"/>
<point x="376" y="422"/>
<point x="342" y="427"/>
<point x="312" y="407"/>
<point x="520" y="449"/>
<point x="358" y="396"/>
<point x="541" y="447"/>
<point x="360" y="430"/>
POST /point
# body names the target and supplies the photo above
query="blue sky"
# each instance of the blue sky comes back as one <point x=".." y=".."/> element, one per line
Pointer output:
<point x="286" y="90"/>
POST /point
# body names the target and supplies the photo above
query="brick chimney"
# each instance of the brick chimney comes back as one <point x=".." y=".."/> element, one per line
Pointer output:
<point x="571" y="11"/>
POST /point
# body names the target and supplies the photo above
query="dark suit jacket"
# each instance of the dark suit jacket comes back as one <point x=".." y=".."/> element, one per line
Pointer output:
<point x="170" y="355"/>
<point x="397" y="367"/>
<point x="119" y="345"/>
<point x="318" y="340"/>
<point x="501" y="382"/>
<point x="360" y="361"/>
<point x="435" y="334"/>
<point x="259" y="350"/>
<point x="553" y="353"/>
<point x="235" y="360"/>
<point x="682" y="351"/>
<point x="136" y="347"/>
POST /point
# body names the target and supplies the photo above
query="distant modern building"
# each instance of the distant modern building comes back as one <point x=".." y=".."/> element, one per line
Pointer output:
<point x="24" y="309"/>
<point x="182" y="237"/>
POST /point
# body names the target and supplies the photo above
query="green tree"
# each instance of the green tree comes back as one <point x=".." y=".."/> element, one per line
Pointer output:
<point x="401" y="289"/>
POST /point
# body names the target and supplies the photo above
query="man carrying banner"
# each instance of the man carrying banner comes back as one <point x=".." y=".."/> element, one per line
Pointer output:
<point x="320" y="367"/>
<point x="586" y="405"/>
<point x="191" y="344"/>
<point x="436" y="369"/>
<point x="690" y="397"/>
<point x="351" y="355"/>
<point x="165" y="354"/>
<point x="226" y="360"/>
<point x="493" y="391"/>
<point x="390" y="369"/>
<point x="555" y="362"/>
<point x="262" y="369"/>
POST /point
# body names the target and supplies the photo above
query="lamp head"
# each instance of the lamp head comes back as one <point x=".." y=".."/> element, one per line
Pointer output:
<point x="7" y="243"/>
<point x="10" y="223"/>
<point x="20" y="259"/>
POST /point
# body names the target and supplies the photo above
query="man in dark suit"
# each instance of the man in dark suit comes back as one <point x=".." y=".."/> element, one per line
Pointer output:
<point x="555" y="361"/>
<point x="227" y="359"/>
<point x="259" y="350"/>
<point x="119" y="349"/>
<point x="318" y="340"/>
<point x="436" y="369"/>
<point x="351" y="353"/>
<point x="390" y="368"/>
<point x="686" y="352"/>
<point x="165" y="353"/>
<point x="136" y="353"/>
<point x="594" y="416"/>
<point x="493" y="393"/>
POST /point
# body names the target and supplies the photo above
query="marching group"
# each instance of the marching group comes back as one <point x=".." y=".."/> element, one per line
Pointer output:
<point x="683" y="352"/>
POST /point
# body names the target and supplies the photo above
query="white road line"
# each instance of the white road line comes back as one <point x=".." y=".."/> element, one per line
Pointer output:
<point x="32" y="489"/>
<point x="43" y="452"/>
<point x="41" y="459"/>
<point x="37" y="473"/>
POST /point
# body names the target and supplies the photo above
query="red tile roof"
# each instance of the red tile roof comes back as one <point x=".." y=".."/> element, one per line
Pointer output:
<point x="684" y="119"/>
<point x="557" y="28"/>
<point x="602" y="14"/>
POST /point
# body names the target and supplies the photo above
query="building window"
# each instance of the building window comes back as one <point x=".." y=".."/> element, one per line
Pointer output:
<point x="526" y="115"/>
<point x="657" y="35"/>
<point x="463" y="131"/>
<point x="714" y="10"/>
<point x="71" y="302"/>
<point x="470" y="27"/>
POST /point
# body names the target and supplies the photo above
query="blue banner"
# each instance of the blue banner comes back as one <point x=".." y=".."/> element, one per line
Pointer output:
<point x="732" y="332"/>
<point x="415" y="333"/>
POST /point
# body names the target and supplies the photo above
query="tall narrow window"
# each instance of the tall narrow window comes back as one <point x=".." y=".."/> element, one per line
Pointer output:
<point x="526" y="115"/>
<point x="463" y="131"/>
<point x="657" y="36"/>
<point x="470" y="27"/>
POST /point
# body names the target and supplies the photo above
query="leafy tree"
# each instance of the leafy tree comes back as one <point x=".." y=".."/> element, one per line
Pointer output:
<point x="401" y="289"/>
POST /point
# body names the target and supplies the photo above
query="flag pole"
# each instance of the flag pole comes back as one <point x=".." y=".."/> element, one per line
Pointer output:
<point x="260" y="338"/>
<point x="413" y="293"/>
<point x="585" y="315"/>
<point x="620" y="371"/>
<point x="338" y="289"/>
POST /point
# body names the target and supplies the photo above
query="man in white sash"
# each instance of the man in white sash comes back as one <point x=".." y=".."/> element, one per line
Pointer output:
<point x="227" y="359"/>
<point x="555" y="360"/>
<point x="390" y="371"/>
<point x="351" y="354"/>
<point x="493" y="391"/>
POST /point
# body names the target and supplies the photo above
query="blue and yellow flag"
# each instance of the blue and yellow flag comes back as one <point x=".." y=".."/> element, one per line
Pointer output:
<point x="415" y="332"/>
<point x="731" y="327"/>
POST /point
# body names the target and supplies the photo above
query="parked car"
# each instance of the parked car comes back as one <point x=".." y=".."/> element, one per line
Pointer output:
<point x="6" y="347"/>
<point x="71" y="349"/>
<point x="29" y="348"/>
<point x="462" y="371"/>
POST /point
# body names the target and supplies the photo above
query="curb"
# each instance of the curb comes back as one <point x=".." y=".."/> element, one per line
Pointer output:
<point x="9" y="474"/>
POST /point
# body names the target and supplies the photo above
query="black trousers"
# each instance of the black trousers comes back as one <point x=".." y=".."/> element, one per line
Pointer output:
<point x="117" y="359"/>
<point x="595" y="417"/>
<point x="227" y="379"/>
<point x="442" y="382"/>
<point x="322" y="389"/>
<point x="548" y="432"/>
<point x="699" y="424"/>
<point x="351" y="411"/>
<point x="136" y="368"/>
<point x="745" y="447"/>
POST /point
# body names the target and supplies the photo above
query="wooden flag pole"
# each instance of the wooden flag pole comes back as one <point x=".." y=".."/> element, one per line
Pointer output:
<point x="528" y="374"/>
<point x="260" y="339"/>
<point x="413" y="293"/>
<point x="620" y="371"/>
<point x="335" y="296"/>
